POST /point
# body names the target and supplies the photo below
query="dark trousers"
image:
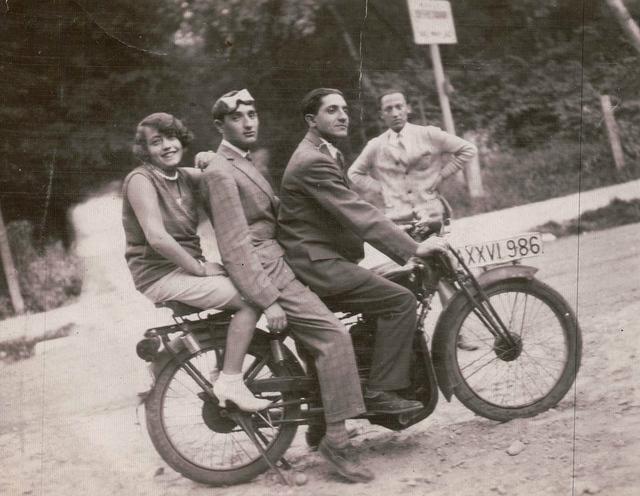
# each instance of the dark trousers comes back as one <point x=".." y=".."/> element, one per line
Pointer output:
<point x="396" y="312"/>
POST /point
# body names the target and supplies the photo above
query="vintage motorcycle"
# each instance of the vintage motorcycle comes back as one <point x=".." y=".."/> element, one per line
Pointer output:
<point x="527" y="352"/>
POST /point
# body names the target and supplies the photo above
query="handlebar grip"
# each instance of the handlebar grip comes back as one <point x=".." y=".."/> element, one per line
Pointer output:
<point x="448" y="211"/>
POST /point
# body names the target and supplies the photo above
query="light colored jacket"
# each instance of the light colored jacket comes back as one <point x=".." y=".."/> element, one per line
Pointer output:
<point x="395" y="180"/>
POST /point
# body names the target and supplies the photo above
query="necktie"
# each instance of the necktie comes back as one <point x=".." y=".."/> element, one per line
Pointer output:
<point x="340" y="158"/>
<point x="343" y="168"/>
<point x="400" y="149"/>
<point x="248" y="157"/>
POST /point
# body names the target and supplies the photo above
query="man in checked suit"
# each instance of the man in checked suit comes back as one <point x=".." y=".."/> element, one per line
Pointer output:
<point x="243" y="209"/>
<point x="323" y="224"/>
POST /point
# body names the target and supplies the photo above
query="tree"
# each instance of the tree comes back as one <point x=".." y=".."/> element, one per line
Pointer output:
<point x="79" y="75"/>
<point x="625" y="20"/>
<point x="66" y="67"/>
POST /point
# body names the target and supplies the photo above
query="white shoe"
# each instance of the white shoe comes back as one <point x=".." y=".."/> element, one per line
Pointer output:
<point x="213" y="376"/>
<point x="233" y="388"/>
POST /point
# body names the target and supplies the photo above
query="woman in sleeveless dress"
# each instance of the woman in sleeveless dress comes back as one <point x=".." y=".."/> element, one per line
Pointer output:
<point x="160" y="219"/>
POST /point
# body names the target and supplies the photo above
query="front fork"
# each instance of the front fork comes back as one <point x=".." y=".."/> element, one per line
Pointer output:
<point x="482" y="307"/>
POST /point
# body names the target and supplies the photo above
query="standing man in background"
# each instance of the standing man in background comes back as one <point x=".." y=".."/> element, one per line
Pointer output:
<point x="401" y="169"/>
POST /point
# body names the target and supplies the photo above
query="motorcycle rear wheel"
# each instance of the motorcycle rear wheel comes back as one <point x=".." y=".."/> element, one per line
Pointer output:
<point x="195" y="438"/>
<point x="502" y="381"/>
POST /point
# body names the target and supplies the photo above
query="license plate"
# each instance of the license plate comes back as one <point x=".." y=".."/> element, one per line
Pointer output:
<point x="504" y="250"/>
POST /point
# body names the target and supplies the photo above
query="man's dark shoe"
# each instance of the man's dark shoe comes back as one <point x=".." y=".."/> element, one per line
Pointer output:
<point x="316" y="432"/>
<point x="389" y="403"/>
<point x="464" y="344"/>
<point x="345" y="461"/>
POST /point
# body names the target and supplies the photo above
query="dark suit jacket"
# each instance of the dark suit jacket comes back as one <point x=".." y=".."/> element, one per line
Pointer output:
<point x="244" y="219"/>
<point x="322" y="220"/>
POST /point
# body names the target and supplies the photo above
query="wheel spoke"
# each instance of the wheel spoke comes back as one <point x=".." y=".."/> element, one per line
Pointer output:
<point x="524" y="315"/>
<point x="200" y="432"/>
<point x="477" y="360"/>
<point x="540" y="366"/>
<point x="522" y="373"/>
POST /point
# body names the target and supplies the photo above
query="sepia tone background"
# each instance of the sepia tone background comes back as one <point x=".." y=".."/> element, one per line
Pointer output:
<point x="525" y="81"/>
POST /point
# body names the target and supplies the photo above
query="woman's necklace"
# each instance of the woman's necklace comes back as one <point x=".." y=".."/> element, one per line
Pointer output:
<point x="166" y="176"/>
<point x="178" y="198"/>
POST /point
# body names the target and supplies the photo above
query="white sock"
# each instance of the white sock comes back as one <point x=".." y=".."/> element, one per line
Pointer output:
<point x="229" y="378"/>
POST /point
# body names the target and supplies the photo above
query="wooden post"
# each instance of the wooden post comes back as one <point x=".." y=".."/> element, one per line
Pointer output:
<point x="625" y="20"/>
<point x="423" y="116"/>
<point x="447" y="116"/>
<point x="438" y="72"/>
<point x="10" y="271"/>
<point x="473" y="174"/>
<point x="612" y="132"/>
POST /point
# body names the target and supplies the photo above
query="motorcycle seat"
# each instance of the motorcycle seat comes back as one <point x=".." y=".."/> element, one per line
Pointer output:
<point x="178" y="308"/>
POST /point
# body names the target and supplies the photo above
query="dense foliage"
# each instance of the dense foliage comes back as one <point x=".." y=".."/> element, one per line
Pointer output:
<point x="525" y="77"/>
<point x="48" y="277"/>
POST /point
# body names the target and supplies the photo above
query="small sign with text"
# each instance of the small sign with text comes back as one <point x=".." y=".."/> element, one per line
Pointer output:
<point x="432" y="22"/>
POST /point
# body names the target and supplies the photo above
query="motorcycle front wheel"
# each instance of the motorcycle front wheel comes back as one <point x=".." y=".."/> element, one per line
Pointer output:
<point x="194" y="435"/>
<point x="504" y="379"/>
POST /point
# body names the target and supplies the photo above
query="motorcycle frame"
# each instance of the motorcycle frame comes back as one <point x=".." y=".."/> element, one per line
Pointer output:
<point x="424" y="279"/>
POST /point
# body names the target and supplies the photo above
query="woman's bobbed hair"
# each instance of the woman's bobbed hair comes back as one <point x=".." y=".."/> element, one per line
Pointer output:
<point x="165" y="124"/>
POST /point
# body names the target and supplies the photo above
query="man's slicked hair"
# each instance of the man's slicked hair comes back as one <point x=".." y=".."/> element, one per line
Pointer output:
<point x="165" y="124"/>
<point x="391" y="91"/>
<point x="312" y="101"/>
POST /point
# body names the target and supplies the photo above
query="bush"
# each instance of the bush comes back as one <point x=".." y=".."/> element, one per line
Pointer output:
<point x="617" y="213"/>
<point x="49" y="275"/>
<point x="520" y="176"/>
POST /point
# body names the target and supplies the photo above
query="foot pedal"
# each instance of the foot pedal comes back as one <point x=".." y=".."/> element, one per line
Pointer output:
<point x="244" y="421"/>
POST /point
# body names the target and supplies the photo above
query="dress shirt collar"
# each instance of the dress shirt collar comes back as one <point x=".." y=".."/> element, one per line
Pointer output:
<point x="242" y="153"/>
<point x="393" y="136"/>
<point x="333" y="151"/>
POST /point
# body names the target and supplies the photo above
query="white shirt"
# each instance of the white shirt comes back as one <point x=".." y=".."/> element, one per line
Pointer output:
<point x="399" y="174"/>
<point x="242" y="153"/>
<point x="333" y="151"/>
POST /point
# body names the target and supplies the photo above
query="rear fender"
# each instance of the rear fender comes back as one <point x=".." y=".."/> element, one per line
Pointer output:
<point x="454" y="307"/>
<point x="218" y="337"/>
<point x="206" y="334"/>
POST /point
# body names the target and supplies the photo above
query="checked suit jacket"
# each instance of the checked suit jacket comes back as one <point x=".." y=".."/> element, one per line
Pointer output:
<point x="323" y="222"/>
<point x="244" y="213"/>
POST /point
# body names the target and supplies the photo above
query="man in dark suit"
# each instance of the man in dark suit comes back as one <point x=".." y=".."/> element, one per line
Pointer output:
<point x="243" y="208"/>
<point x="323" y="224"/>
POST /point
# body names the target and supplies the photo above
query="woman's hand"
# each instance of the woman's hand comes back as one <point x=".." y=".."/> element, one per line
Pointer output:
<point x="211" y="269"/>
<point x="205" y="159"/>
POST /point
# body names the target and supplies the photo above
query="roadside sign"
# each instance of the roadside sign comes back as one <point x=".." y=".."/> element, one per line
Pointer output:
<point x="432" y="22"/>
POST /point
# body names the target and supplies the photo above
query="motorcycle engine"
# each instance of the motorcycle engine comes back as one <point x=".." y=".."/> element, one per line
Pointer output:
<point x="362" y="335"/>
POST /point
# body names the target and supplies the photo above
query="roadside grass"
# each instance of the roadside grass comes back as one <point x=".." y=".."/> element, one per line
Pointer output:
<point x="517" y="177"/>
<point x="22" y="348"/>
<point x="49" y="274"/>
<point x="617" y="213"/>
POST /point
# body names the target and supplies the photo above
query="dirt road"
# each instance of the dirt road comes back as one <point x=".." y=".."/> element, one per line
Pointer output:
<point x="68" y="420"/>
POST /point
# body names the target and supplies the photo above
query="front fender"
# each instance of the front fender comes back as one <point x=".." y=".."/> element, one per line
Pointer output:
<point x="505" y="272"/>
<point x="454" y="307"/>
